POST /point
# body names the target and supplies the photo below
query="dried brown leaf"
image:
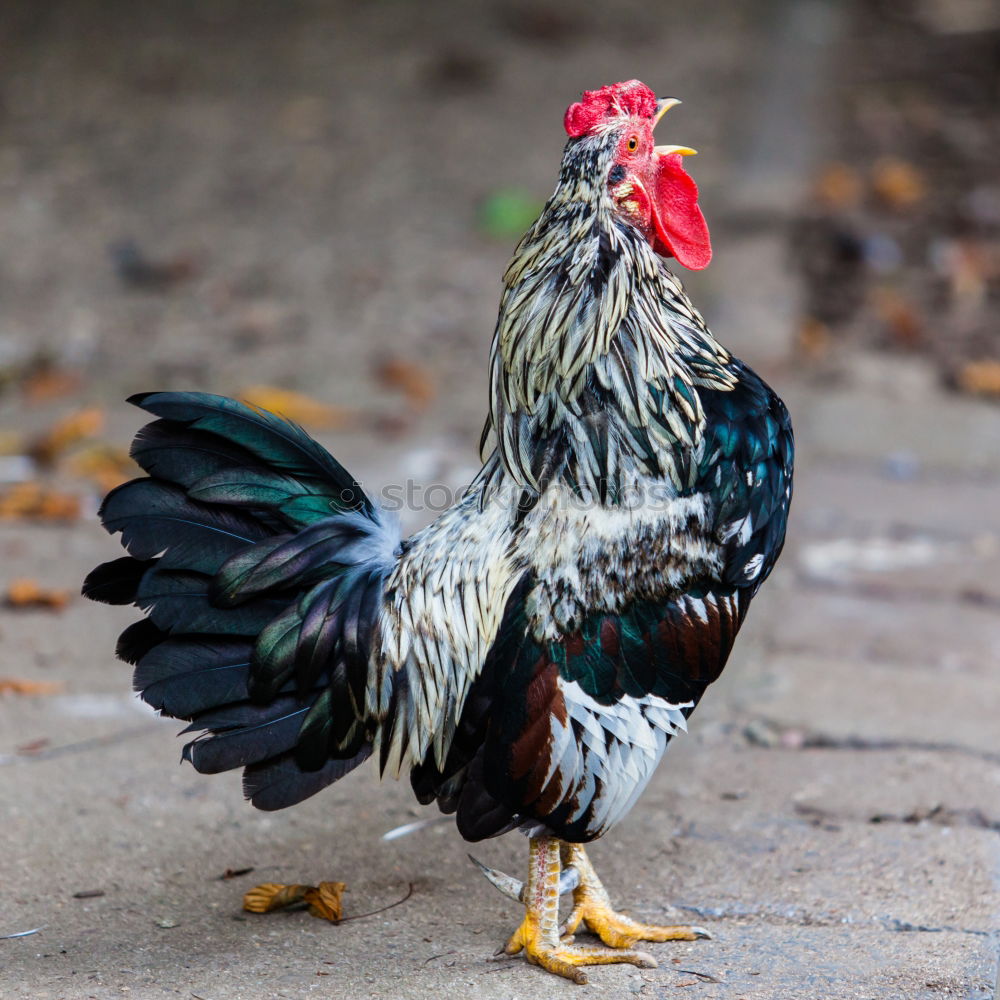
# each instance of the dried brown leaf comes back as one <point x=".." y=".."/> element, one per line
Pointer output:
<point x="65" y="433"/>
<point x="104" y="465"/>
<point x="838" y="186"/>
<point x="31" y="500"/>
<point x="17" y="685"/>
<point x="412" y="380"/>
<point x="897" y="183"/>
<point x="900" y="317"/>
<point x="813" y="338"/>
<point x="297" y="406"/>
<point x="47" y="383"/>
<point x="981" y="378"/>
<point x="325" y="901"/>
<point x="273" y="896"/>
<point x="28" y="593"/>
<point x="11" y="442"/>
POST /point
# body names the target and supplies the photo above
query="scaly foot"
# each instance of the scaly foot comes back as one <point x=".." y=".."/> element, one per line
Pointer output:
<point x="565" y="959"/>
<point x="592" y="909"/>
<point x="538" y="935"/>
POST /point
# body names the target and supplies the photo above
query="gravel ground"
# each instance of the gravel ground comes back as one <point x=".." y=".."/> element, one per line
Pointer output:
<point x="304" y="186"/>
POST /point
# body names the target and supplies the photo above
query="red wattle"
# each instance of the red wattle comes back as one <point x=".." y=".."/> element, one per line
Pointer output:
<point x="681" y="230"/>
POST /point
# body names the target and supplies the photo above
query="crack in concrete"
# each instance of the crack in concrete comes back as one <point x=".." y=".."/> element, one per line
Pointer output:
<point x="798" y="917"/>
<point x="896" y="593"/>
<point x="771" y="735"/>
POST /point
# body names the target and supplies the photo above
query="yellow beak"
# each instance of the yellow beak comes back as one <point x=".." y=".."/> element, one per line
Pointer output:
<point x="662" y="107"/>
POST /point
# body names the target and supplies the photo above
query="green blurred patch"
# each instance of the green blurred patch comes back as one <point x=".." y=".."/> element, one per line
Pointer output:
<point x="507" y="213"/>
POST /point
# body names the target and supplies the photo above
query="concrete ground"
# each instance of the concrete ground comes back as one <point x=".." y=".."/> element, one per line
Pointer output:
<point x="833" y="815"/>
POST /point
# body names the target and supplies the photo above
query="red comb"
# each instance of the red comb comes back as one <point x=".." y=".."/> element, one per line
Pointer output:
<point x="629" y="98"/>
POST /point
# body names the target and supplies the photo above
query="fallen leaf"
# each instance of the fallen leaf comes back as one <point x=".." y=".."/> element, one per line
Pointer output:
<point x="981" y="378"/>
<point x="104" y="465"/>
<point x="28" y="593"/>
<point x="272" y="896"/>
<point x="897" y="183"/>
<point x="813" y="338"/>
<point x="324" y="900"/>
<point x="900" y="317"/>
<point x="838" y="186"/>
<point x="11" y="442"/>
<point x="47" y="382"/>
<point x="297" y="406"/>
<point x="16" y="685"/>
<point x="65" y="433"/>
<point x="33" y="501"/>
<point x="413" y="380"/>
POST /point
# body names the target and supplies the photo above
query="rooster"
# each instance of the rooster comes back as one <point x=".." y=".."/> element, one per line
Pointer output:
<point x="528" y="656"/>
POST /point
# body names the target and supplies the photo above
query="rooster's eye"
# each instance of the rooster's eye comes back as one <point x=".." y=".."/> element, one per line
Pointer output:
<point x="633" y="143"/>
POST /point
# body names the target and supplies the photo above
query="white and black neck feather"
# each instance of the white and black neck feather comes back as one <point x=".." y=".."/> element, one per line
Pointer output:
<point x="598" y="353"/>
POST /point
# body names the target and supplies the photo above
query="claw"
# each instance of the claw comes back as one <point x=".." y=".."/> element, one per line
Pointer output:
<point x="569" y="879"/>
<point x="513" y="888"/>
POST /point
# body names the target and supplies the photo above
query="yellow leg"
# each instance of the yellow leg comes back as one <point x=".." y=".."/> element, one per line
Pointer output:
<point x="592" y="908"/>
<point x="538" y="935"/>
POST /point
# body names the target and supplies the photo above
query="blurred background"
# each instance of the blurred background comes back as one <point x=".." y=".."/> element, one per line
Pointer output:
<point x="321" y="197"/>
<point x="310" y="204"/>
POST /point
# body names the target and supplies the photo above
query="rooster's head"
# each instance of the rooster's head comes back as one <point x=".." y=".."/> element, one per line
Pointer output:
<point x="647" y="184"/>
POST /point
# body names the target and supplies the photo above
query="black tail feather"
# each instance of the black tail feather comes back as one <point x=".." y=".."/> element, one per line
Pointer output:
<point x="244" y="733"/>
<point x="252" y="628"/>
<point x="116" y="582"/>
<point x="273" y="442"/>
<point x="280" y="782"/>
<point x="137" y="640"/>
<point x="190" y="674"/>
<point x="178" y="602"/>
<point x="156" y="517"/>
<point x="175" y="454"/>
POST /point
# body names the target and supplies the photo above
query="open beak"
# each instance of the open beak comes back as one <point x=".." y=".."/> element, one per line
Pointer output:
<point x="662" y="107"/>
<point x="679" y="228"/>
